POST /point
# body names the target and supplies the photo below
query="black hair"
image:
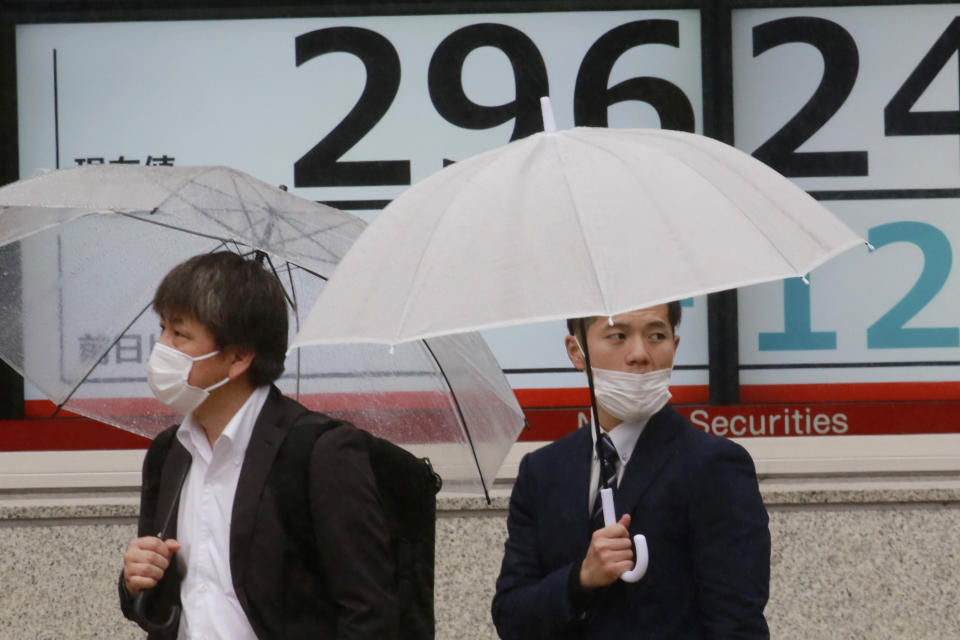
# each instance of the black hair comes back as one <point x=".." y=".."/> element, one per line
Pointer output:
<point x="237" y="300"/>
<point x="674" y="311"/>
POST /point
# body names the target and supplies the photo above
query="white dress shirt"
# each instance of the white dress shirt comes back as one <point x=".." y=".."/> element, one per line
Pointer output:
<point x="211" y="610"/>
<point x="624" y="437"/>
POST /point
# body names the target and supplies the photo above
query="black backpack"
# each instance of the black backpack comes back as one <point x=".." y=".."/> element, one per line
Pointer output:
<point x="407" y="485"/>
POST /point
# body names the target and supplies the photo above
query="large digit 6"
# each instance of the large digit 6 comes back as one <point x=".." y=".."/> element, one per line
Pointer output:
<point x="592" y="98"/>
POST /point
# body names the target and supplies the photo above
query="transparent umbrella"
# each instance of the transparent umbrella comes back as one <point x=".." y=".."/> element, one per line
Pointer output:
<point x="81" y="253"/>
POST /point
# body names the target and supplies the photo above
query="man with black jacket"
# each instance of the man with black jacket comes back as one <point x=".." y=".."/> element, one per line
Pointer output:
<point x="226" y="559"/>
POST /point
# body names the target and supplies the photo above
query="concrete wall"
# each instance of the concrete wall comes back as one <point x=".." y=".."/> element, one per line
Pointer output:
<point x="852" y="558"/>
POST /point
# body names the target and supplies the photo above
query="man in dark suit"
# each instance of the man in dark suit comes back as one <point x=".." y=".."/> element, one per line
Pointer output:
<point x="693" y="495"/>
<point x="227" y="558"/>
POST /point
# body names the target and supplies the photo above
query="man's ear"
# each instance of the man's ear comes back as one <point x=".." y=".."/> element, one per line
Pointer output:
<point x="574" y="353"/>
<point x="240" y="360"/>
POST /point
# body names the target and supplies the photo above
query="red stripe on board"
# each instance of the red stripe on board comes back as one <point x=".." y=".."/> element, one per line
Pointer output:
<point x="393" y="400"/>
<point x="866" y="409"/>
<point x="779" y="420"/>
<point x="65" y="434"/>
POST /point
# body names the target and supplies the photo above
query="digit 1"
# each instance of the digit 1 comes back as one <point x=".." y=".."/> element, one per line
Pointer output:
<point x="797" y="335"/>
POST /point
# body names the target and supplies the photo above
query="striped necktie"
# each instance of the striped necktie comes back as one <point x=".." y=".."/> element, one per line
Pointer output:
<point x="608" y="475"/>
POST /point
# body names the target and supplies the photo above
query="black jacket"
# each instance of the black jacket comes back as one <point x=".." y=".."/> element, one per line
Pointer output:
<point x="345" y="591"/>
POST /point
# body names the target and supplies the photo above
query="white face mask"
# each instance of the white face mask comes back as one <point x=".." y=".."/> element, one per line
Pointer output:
<point x="632" y="397"/>
<point x="167" y="374"/>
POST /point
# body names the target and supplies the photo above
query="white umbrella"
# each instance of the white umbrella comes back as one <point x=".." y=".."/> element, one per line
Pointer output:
<point x="568" y="224"/>
<point x="580" y="222"/>
<point x="81" y="253"/>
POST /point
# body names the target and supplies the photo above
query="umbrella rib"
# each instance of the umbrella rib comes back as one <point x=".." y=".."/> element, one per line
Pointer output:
<point x="579" y="220"/>
<point x="309" y="236"/>
<point x="175" y="192"/>
<point x="296" y="320"/>
<point x="116" y="340"/>
<point x="175" y="228"/>
<point x="490" y="160"/>
<point x="246" y="212"/>
<point x="274" y="215"/>
<point x="96" y="362"/>
<point x="251" y="224"/>
<point x="463" y="420"/>
<point x="657" y="204"/>
<point x="709" y="153"/>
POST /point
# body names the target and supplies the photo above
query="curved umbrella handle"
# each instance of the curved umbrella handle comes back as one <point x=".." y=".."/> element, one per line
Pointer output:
<point x="639" y="540"/>
<point x="140" y="613"/>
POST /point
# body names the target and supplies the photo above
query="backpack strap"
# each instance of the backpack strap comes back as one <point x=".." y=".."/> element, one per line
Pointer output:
<point x="289" y="477"/>
<point x="153" y="466"/>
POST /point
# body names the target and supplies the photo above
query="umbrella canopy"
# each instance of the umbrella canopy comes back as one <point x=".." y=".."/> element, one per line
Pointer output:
<point x="81" y="253"/>
<point x="581" y="222"/>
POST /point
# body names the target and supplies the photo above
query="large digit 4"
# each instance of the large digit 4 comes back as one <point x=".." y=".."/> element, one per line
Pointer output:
<point x="888" y="332"/>
<point x="445" y="80"/>
<point x="592" y="98"/>
<point x="320" y="167"/>
<point x="797" y="334"/>
<point x="898" y="120"/>
<point x="841" y="61"/>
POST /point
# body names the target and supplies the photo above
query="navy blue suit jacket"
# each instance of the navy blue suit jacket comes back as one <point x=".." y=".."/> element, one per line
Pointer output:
<point x="695" y="498"/>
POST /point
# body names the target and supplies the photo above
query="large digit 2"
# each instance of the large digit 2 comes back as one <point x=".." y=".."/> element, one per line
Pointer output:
<point x="841" y="62"/>
<point x="592" y="98"/>
<point x="898" y="120"/>
<point x="445" y="79"/>
<point x="320" y="167"/>
<point x="888" y="332"/>
<point x="797" y="334"/>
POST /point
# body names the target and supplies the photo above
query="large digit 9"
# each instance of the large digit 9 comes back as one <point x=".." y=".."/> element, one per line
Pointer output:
<point x="319" y="167"/>
<point x="841" y="61"/>
<point x="592" y="98"/>
<point x="888" y="332"/>
<point x="445" y="79"/>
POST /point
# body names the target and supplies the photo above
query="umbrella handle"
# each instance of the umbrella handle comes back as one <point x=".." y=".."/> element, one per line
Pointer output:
<point x="140" y="613"/>
<point x="639" y="540"/>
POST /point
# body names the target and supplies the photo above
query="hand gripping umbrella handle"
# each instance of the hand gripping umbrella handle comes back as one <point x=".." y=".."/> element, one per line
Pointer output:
<point x="140" y="613"/>
<point x="639" y="540"/>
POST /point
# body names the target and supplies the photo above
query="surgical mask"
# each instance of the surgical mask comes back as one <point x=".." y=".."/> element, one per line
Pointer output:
<point x="167" y="374"/>
<point x="632" y="397"/>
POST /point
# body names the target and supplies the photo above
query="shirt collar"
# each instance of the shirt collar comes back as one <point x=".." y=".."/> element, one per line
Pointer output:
<point x="235" y="436"/>
<point x="624" y="437"/>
